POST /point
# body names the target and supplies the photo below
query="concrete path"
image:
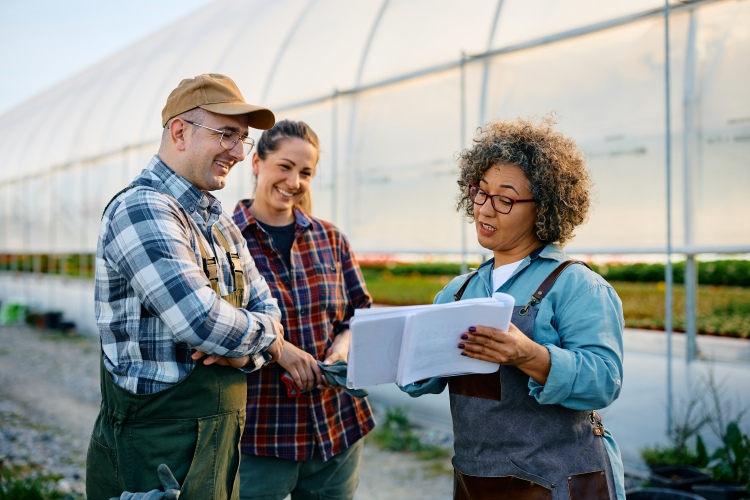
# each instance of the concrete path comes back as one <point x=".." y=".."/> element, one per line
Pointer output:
<point x="639" y="417"/>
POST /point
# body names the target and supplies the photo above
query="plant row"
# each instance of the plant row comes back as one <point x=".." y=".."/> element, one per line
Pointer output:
<point x="720" y="272"/>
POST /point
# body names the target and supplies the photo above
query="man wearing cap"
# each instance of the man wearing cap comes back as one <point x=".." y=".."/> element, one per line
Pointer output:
<point x="180" y="306"/>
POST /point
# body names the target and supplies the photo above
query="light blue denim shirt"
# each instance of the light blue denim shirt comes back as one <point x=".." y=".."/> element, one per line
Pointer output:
<point x="580" y="322"/>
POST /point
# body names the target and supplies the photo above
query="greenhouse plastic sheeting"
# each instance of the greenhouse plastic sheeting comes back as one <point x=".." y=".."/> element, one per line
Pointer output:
<point x="395" y="89"/>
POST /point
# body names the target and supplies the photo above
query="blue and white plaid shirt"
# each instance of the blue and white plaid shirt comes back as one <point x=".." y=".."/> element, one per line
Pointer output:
<point x="154" y="304"/>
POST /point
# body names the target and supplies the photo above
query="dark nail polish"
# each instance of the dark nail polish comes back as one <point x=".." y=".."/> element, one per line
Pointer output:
<point x="461" y="346"/>
<point x="463" y="353"/>
<point x="472" y="329"/>
<point x="464" y="336"/>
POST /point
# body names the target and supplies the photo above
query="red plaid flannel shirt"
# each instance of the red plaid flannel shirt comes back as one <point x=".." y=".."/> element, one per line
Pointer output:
<point x="317" y="297"/>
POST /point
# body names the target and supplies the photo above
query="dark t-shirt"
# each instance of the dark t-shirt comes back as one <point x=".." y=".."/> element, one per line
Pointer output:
<point x="283" y="239"/>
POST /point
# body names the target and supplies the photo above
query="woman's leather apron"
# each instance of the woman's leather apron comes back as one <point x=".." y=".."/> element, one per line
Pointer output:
<point x="508" y="446"/>
<point x="194" y="427"/>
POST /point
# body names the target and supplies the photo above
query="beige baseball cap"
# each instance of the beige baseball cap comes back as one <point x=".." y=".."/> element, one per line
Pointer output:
<point x="218" y="94"/>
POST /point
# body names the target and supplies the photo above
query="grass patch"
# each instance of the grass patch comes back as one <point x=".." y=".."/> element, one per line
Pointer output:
<point x="398" y="434"/>
<point x="397" y="290"/>
<point x="29" y="484"/>
<point x="721" y="310"/>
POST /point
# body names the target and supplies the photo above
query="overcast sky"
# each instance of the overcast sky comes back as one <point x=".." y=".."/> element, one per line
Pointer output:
<point x="43" y="42"/>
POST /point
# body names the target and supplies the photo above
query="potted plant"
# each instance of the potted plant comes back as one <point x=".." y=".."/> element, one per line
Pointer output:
<point x="729" y="464"/>
<point x="660" y="494"/>
<point x="729" y="467"/>
<point x="723" y="474"/>
<point x="678" y="465"/>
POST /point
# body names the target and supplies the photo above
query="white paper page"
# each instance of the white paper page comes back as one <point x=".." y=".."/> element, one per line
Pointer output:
<point x="374" y="351"/>
<point x="405" y="345"/>
<point x="377" y="339"/>
<point x="404" y="310"/>
<point x="431" y="349"/>
<point x="388" y="310"/>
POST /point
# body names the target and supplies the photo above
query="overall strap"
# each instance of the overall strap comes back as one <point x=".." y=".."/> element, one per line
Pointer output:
<point x="542" y="290"/>
<point x="126" y="188"/>
<point x="234" y="262"/>
<point x="209" y="262"/>
<point x="210" y="267"/>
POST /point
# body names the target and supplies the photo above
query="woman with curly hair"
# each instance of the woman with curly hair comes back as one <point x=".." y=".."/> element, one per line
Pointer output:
<point x="531" y="430"/>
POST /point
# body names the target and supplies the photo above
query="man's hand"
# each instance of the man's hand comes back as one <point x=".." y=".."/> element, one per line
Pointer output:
<point x="274" y="350"/>
<point x="210" y="359"/>
<point x="168" y="482"/>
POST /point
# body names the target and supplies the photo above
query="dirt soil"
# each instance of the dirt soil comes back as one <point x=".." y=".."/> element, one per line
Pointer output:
<point x="49" y="399"/>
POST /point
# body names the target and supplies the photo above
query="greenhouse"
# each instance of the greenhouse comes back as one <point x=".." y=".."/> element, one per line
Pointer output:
<point x="656" y="97"/>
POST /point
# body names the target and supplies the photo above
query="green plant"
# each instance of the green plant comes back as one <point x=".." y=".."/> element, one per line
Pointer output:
<point x="15" y="485"/>
<point x="685" y="426"/>
<point x="707" y="406"/>
<point x="397" y="434"/>
<point x="730" y="462"/>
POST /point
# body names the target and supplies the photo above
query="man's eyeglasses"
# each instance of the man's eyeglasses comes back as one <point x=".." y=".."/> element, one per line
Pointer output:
<point x="229" y="138"/>
<point x="501" y="204"/>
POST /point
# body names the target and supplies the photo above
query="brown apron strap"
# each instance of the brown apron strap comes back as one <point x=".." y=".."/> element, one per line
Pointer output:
<point x="542" y="290"/>
<point x="547" y="283"/>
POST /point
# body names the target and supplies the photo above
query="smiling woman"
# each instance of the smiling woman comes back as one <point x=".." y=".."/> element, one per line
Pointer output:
<point x="311" y="269"/>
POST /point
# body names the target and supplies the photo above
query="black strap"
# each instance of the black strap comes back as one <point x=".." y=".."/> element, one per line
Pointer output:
<point x="209" y="263"/>
<point x="126" y="188"/>
<point x="460" y="292"/>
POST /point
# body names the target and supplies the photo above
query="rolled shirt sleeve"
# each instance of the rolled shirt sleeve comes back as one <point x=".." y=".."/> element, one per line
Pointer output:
<point x="585" y="349"/>
<point x="148" y="243"/>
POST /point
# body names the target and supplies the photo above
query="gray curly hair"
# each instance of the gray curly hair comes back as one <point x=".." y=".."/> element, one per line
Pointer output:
<point x="555" y="167"/>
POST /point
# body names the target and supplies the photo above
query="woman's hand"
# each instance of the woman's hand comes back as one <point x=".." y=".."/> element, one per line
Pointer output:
<point x="337" y="351"/>
<point x="512" y="347"/>
<point x="339" y="348"/>
<point x="275" y="349"/>
<point x="302" y="366"/>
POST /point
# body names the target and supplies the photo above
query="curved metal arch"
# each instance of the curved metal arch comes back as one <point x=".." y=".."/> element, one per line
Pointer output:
<point x="486" y="64"/>
<point x="168" y="77"/>
<point x="353" y="116"/>
<point x="282" y="49"/>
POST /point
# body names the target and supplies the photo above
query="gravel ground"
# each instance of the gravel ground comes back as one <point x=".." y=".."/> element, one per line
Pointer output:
<point x="49" y="399"/>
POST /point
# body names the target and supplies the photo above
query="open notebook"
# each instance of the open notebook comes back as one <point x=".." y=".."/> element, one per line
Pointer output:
<point x="409" y="343"/>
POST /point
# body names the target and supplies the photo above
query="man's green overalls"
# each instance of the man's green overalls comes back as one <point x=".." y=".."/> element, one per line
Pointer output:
<point x="194" y="427"/>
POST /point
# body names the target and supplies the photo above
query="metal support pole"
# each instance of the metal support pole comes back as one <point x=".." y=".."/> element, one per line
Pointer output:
<point x="688" y="150"/>
<point x="334" y="155"/>
<point x="691" y="305"/>
<point x="464" y="250"/>
<point x="668" y="267"/>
